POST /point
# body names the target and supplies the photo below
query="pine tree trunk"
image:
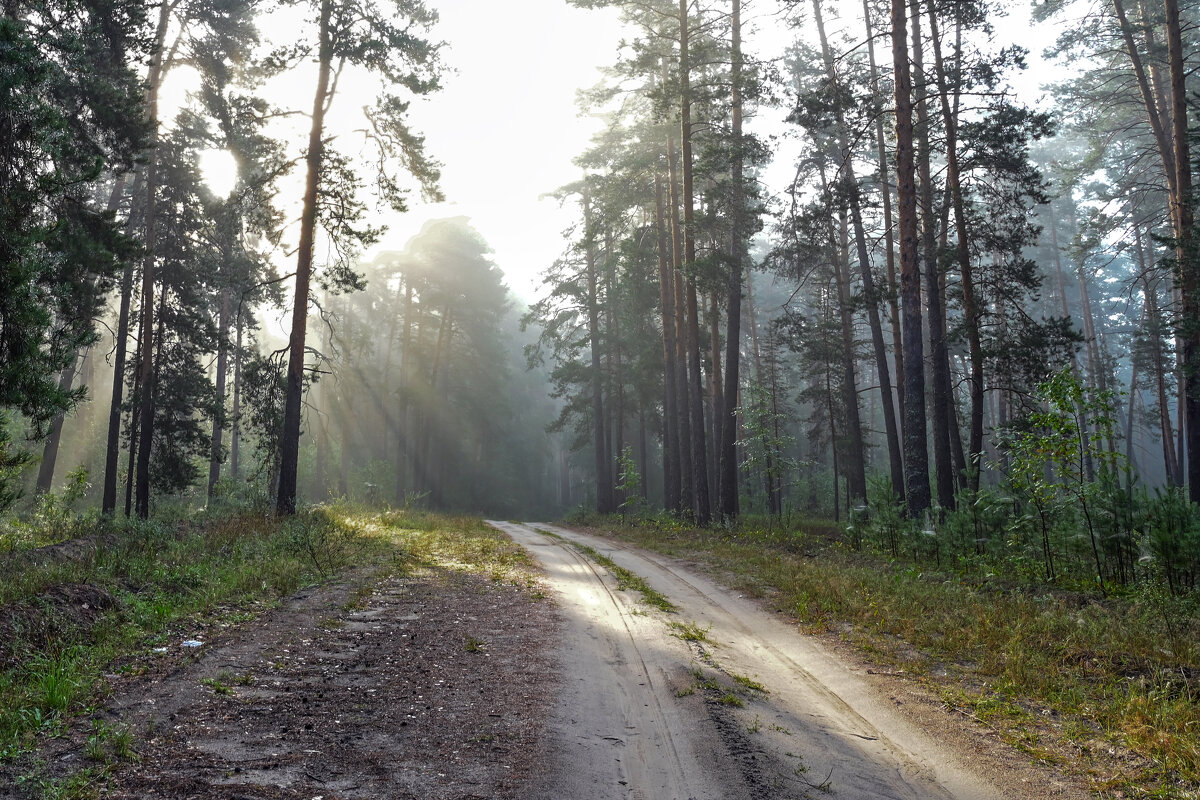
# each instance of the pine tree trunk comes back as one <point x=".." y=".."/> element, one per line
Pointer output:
<point x="1189" y="283"/>
<point x="727" y="444"/>
<point x="889" y="244"/>
<point x="939" y="358"/>
<point x="716" y="397"/>
<point x="402" y="431"/>
<point x="45" y="478"/>
<point x="604" y="487"/>
<point x="666" y="300"/>
<point x="289" y="450"/>
<point x="687" y="493"/>
<point x="854" y="200"/>
<point x="703" y="506"/>
<point x="218" y="429"/>
<point x="971" y="302"/>
<point x="235" y="433"/>
<point x="916" y="453"/>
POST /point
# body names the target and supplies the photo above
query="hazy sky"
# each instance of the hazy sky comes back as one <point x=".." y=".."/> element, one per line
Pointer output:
<point x="506" y="127"/>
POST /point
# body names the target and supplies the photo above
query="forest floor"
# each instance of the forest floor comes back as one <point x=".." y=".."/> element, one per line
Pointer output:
<point x="453" y="681"/>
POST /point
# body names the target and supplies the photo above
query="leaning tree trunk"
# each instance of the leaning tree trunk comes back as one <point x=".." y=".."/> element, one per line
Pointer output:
<point x="889" y="243"/>
<point x="45" y="478"/>
<point x="854" y="199"/>
<point x="289" y="449"/>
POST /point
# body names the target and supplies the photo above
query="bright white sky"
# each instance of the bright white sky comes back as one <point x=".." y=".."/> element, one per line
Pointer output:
<point x="506" y="126"/>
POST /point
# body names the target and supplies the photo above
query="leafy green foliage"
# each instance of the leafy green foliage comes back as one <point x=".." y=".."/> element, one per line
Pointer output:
<point x="70" y="109"/>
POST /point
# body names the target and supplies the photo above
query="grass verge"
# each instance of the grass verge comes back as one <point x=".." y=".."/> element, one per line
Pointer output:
<point x="132" y="587"/>
<point x="1064" y="676"/>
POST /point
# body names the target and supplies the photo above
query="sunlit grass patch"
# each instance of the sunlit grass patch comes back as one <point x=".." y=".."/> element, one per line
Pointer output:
<point x="690" y="631"/>
<point x="626" y="579"/>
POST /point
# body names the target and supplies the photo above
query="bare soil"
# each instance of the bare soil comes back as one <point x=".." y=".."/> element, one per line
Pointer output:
<point x="445" y="684"/>
<point x="430" y="686"/>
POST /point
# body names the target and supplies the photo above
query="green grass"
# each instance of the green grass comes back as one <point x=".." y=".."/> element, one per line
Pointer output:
<point x="628" y="580"/>
<point x="1121" y="670"/>
<point x="163" y="580"/>
<point x="690" y="631"/>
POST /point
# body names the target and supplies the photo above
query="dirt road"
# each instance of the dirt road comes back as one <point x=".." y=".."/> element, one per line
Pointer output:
<point x="736" y="704"/>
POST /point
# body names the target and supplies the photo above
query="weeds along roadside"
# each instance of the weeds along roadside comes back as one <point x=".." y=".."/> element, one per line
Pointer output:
<point x="72" y="612"/>
<point x="1062" y="675"/>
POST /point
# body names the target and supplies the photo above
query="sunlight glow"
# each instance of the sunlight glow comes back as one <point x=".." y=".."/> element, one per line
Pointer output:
<point x="220" y="169"/>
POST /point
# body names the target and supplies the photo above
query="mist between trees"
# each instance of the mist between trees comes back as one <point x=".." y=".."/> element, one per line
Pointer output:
<point x="967" y="326"/>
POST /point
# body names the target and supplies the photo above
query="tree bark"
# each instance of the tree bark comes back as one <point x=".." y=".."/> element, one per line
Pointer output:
<point x="940" y="397"/>
<point x="703" y="506"/>
<point x="727" y="469"/>
<point x="1189" y="283"/>
<point x="854" y="201"/>
<point x="666" y="299"/>
<point x="916" y="453"/>
<point x="45" y="478"/>
<point x="289" y="450"/>
<point x="218" y="429"/>
<point x="687" y="492"/>
<point x="971" y="302"/>
<point x="889" y="242"/>
<point x="604" y="484"/>
<point x="235" y="432"/>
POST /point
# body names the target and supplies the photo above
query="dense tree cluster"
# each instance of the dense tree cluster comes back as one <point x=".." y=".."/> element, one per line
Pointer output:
<point x="953" y="290"/>
<point x="941" y="255"/>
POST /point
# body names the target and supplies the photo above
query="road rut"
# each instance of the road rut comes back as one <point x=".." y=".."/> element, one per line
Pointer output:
<point x="644" y="714"/>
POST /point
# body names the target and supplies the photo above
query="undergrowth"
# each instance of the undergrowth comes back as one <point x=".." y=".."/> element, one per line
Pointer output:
<point x="1016" y="654"/>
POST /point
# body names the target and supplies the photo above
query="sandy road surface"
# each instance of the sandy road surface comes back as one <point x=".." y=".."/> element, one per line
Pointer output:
<point x="635" y="719"/>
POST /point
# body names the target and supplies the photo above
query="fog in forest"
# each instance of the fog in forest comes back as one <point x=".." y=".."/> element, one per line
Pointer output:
<point x="716" y="258"/>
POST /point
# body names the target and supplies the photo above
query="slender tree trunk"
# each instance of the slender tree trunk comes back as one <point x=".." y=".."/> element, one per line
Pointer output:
<point x="733" y="329"/>
<point x="889" y="243"/>
<point x="971" y="302"/>
<point x="289" y="450"/>
<point x="716" y="398"/>
<point x="1162" y="136"/>
<point x="113" y="450"/>
<point x="916" y="453"/>
<point x="45" y="478"/>
<point x="666" y="299"/>
<point x="1154" y="325"/>
<point x="940" y="394"/>
<point x="687" y="492"/>
<point x="1185" y="255"/>
<point x="604" y="487"/>
<point x="218" y="429"/>
<point x="402" y="431"/>
<point x="146" y="366"/>
<point x="854" y="200"/>
<point x="235" y="433"/>
<point x="703" y="507"/>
